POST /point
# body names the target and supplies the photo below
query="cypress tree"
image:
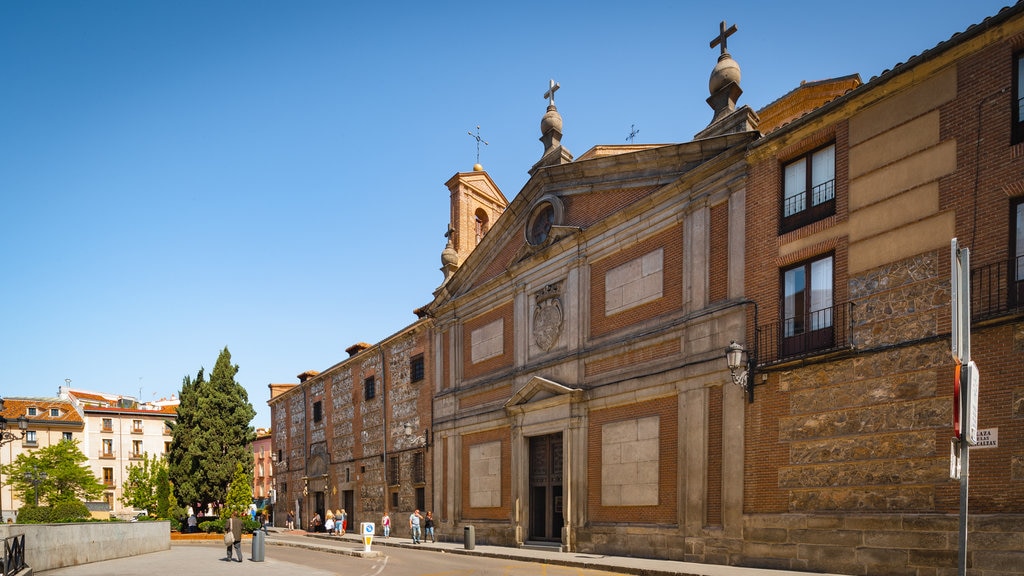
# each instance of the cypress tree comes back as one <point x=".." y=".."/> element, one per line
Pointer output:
<point x="212" y="435"/>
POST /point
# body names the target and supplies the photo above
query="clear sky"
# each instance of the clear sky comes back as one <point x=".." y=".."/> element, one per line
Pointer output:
<point x="269" y="176"/>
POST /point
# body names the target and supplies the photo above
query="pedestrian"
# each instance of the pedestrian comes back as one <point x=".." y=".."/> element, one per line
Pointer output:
<point x="290" y="523"/>
<point x="386" y="523"/>
<point x="414" y="525"/>
<point x="428" y="527"/>
<point x="315" y="524"/>
<point x="329" y="524"/>
<point x="192" y="524"/>
<point x="234" y="527"/>
<point x="342" y="518"/>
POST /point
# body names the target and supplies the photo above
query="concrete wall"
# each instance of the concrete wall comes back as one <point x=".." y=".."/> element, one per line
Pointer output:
<point x="51" y="546"/>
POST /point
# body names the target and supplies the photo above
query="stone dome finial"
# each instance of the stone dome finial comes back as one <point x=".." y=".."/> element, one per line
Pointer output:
<point x="724" y="83"/>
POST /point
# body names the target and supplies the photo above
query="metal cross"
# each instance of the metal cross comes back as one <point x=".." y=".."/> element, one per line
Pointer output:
<point x="632" y="133"/>
<point x="723" y="34"/>
<point x="478" y="141"/>
<point x="550" y="94"/>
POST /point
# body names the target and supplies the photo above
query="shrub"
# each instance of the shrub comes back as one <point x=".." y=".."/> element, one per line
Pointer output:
<point x="73" y="511"/>
<point x="34" y="515"/>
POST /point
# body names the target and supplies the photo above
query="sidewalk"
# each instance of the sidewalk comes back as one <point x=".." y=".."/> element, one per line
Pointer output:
<point x="196" y="558"/>
<point x="352" y="544"/>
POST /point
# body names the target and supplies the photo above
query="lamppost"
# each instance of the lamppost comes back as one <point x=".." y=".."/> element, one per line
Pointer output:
<point x="35" y="477"/>
<point x="7" y="437"/>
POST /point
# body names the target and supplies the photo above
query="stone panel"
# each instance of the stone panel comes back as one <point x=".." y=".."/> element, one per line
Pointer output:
<point x="863" y="499"/>
<point x="928" y="413"/>
<point x="873" y="473"/>
<point x="898" y="445"/>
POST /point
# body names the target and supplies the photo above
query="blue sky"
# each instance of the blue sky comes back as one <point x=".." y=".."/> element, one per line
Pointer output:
<point x="269" y="176"/>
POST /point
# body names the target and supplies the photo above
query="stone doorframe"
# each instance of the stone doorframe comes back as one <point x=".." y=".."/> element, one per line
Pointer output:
<point x="539" y="408"/>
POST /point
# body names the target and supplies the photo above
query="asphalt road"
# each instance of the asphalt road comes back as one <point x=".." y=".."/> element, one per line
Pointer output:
<point x="207" y="559"/>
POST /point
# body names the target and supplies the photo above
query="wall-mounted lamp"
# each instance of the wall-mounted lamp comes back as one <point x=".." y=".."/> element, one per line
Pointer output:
<point x="6" y="436"/>
<point x="741" y="367"/>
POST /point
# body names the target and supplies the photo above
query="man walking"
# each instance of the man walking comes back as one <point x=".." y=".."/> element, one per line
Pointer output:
<point x="414" y="525"/>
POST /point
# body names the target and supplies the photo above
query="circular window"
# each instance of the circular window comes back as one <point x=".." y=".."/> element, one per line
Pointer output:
<point x="539" y="226"/>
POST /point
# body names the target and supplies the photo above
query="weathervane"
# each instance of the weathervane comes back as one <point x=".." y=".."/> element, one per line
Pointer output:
<point x="632" y="133"/>
<point x="478" y="141"/>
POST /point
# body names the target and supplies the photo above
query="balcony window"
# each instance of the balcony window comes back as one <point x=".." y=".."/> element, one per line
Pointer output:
<point x="30" y="438"/>
<point x="136" y="426"/>
<point x="1018" y="98"/>
<point x="809" y="188"/>
<point x="807" y="307"/>
<point x="108" y="424"/>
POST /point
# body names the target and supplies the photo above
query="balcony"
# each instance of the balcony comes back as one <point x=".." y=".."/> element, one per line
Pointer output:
<point x="136" y="455"/>
<point x="107" y="454"/>
<point x="996" y="292"/>
<point x="821" y="332"/>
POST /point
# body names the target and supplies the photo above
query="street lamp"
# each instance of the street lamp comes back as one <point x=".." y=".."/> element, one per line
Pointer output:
<point x="741" y="367"/>
<point x="7" y="437"/>
<point x="35" y="477"/>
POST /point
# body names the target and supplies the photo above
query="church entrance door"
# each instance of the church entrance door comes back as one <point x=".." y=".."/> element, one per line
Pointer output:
<point x="546" y="487"/>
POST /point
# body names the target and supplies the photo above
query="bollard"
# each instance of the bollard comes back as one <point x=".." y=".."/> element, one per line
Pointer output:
<point x="469" y="537"/>
<point x="258" y="545"/>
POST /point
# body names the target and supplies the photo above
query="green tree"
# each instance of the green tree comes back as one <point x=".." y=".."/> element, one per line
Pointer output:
<point x="212" y="435"/>
<point x="140" y="489"/>
<point x="239" y="492"/>
<point x="163" y="494"/>
<point x="68" y="478"/>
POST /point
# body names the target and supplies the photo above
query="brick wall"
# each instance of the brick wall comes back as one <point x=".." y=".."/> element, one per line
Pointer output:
<point x="671" y="241"/>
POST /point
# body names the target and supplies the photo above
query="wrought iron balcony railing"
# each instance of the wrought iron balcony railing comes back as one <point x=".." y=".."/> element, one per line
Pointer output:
<point x="997" y="289"/>
<point x="820" y="332"/>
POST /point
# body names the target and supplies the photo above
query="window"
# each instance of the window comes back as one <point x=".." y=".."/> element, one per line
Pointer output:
<point x="416" y="371"/>
<point x="809" y="188"/>
<point x="1018" y="99"/>
<point x="30" y="438"/>
<point x="31" y="411"/>
<point x="369" y="388"/>
<point x="136" y="448"/>
<point x="419" y="475"/>
<point x="480" y="224"/>
<point x="318" y="411"/>
<point x="394" y="500"/>
<point x="394" y="474"/>
<point x="108" y="424"/>
<point x="136" y="425"/>
<point x="54" y="412"/>
<point x="108" y="477"/>
<point x="167" y="447"/>
<point x="107" y="451"/>
<point x="807" y="307"/>
<point x="66" y="436"/>
<point x="280" y="455"/>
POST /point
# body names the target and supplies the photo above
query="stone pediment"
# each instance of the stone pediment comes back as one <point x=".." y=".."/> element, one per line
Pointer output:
<point x="541" y="389"/>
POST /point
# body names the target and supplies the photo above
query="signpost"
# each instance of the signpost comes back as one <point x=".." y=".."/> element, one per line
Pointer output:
<point x="368" y="531"/>
<point x="965" y="386"/>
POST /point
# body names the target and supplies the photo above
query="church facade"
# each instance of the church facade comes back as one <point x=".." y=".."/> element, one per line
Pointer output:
<point x="576" y="380"/>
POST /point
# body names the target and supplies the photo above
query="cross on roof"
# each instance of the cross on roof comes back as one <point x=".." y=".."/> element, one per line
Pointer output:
<point x="550" y="94"/>
<point x="632" y="133"/>
<point x="723" y="34"/>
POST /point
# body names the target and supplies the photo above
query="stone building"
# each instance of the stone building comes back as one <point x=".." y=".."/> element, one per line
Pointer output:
<point x="356" y="436"/>
<point x="850" y="265"/>
<point x="263" y="469"/>
<point x="574" y="356"/>
<point x="579" y="346"/>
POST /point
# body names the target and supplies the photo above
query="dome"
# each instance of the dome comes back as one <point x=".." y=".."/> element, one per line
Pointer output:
<point x="726" y="71"/>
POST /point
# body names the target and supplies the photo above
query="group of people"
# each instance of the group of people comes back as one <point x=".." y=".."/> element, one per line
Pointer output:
<point x="335" y="523"/>
<point x="418" y="525"/>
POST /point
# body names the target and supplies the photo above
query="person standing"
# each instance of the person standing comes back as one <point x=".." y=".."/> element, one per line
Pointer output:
<point x="234" y="526"/>
<point x="428" y="527"/>
<point x="290" y="524"/>
<point x="192" y="524"/>
<point x="414" y="525"/>
<point x="386" y="523"/>
<point x="343" y="521"/>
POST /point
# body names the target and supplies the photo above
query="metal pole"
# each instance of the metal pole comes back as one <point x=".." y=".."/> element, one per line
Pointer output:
<point x="963" y="268"/>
